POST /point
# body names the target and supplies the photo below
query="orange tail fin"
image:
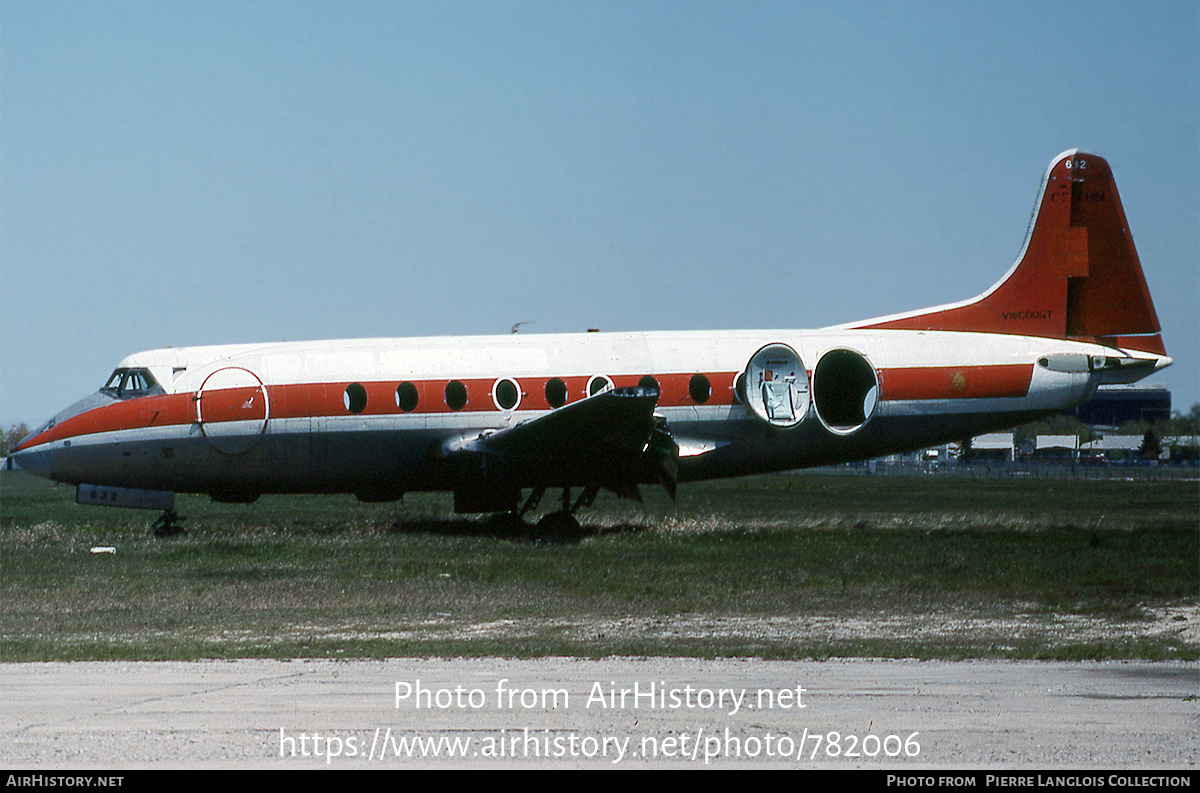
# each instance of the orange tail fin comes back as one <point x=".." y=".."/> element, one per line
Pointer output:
<point x="1078" y="276"/>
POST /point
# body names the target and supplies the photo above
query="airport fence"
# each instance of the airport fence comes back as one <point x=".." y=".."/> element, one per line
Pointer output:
<point x="1035" y="469"/>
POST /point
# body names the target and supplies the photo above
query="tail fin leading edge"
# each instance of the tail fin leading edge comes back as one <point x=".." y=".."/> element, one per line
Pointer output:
<point x="1078" y="276"/>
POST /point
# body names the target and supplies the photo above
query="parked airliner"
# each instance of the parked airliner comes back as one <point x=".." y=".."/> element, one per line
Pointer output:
<point x="490" y="418"/>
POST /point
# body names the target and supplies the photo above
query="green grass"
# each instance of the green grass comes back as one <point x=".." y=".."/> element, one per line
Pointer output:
<point x="787" y="566"/>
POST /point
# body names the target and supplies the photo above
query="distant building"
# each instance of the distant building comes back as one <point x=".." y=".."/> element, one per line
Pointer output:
<point x="1056" y="447"/>
<point x="997" y="446"/>
<point x="1183" y="447"/>
<point x="1112" y="447"/>
<point x="1114" y="405"/>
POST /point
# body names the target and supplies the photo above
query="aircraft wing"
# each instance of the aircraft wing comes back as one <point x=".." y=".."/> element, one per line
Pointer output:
<point x="613" y="438"/>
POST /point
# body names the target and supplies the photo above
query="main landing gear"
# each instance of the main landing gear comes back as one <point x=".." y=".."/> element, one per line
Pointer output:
<point x="558" y="526"/>
<point x="167" y="524"/>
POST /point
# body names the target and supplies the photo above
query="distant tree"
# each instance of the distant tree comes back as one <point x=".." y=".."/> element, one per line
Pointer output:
<point x="1061" y="424"/>
<point x="1184" y="423"/>
<point x="1179" y="424"/>
<point x="1150" y="448"/>
<point x="965" y="450"/>
<point x="10" y="437"/>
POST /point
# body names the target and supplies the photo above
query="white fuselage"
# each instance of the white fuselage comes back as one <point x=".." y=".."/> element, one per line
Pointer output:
<point x="371" y="416"/>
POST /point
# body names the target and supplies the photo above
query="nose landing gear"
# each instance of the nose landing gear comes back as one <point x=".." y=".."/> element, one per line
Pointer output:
<point x="167" y="524"/>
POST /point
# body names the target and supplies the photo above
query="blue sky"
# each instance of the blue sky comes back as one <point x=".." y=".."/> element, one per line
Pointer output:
<point x="205" y="172"/>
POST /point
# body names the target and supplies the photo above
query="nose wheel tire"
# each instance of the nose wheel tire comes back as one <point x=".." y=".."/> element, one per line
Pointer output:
<point x="167" y="524"/>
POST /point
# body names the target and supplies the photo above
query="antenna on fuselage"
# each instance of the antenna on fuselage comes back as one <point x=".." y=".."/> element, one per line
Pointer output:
<point x="519" y="324"/>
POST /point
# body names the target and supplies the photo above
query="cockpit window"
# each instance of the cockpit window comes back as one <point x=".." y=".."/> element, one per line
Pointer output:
<point x="128" y="383"/>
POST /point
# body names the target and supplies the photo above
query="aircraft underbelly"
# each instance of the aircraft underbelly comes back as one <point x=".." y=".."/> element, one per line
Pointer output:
<point x="809" y="446"/>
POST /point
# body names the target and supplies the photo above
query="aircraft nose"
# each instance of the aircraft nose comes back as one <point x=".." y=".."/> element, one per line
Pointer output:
<point x="36" y="452"/>
<point x="33" y="459"/>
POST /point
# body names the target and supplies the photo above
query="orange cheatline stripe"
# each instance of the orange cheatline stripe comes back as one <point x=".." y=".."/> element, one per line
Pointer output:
<point x="302" y="400"/>
<point x="956" y="382"/>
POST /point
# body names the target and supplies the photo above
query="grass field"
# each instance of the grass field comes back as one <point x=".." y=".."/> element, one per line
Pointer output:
<point x="784" y="566"/>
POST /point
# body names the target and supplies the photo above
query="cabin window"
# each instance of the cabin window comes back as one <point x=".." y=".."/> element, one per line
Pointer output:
<point x="739" y="388"/>
<point x="649" y="383"/>
<point x="598" y="384"/>
<point x="355" y="398"/>
<point x="699" y="388"/>
<point x="456" y="395"/>
<point x="507" y="394"/>
<point x="556" y="392"/>
<point x="407" y="397"/>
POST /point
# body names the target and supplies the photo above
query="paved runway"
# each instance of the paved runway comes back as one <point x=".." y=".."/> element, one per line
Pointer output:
<point x="610" y="713"/>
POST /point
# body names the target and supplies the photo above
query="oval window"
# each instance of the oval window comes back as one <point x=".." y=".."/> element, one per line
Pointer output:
<point x="739" y="387"/>
<point x="699" y="388"/>
<point x="456" y="395"/>
<point x="407" y="397"/>
<point x="556" y="392"/>
<point x="355" y="398"/>
<point x="506" y="394"/>
<point x="599" y="384"/>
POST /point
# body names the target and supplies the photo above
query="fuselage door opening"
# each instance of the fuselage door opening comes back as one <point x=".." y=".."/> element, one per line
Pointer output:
<point x="231" y="409"/>
<point x="846" y="390"/>
<point x="776" y="386"/>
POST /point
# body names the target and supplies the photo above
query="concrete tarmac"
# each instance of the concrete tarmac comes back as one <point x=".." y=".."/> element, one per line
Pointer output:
<point x="608" y="713"/>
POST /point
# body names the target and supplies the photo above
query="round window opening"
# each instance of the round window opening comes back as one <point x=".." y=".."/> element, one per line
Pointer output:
<point x="556" y="393"/>
<point x="456" y="395"/>
<point x="598" y="384"/>
<point x="407" y="397"/>
<point x="355" y="398"/>
<point x="739" y="387"/>
<point x="507" y="394"/>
